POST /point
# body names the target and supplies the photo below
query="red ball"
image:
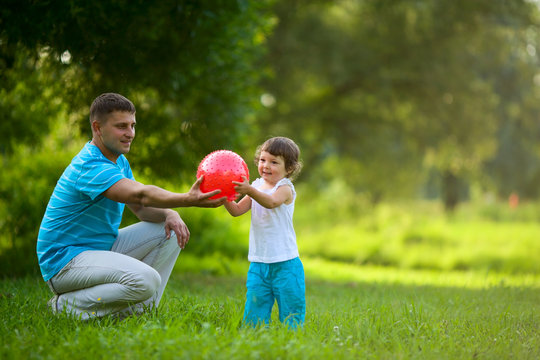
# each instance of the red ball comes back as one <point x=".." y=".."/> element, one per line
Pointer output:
<point x="220" y="168"/>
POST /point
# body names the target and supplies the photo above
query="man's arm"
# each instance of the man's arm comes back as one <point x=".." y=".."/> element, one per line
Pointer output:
<point x="172" y="220"/>
<point x="152" y="203"/>
<point x="134" y="193"/>
<point x="149" y="214"/>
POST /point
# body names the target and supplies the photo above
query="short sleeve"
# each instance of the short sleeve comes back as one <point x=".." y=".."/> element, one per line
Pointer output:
<point x="97" y="176"/>
<point x="286" y="182"/>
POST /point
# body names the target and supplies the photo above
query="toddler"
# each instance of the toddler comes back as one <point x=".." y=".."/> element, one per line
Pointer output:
<point x="276" y="272"/>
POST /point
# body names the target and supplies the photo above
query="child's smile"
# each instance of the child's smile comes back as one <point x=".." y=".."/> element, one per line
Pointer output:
<point x="271" y="168"/>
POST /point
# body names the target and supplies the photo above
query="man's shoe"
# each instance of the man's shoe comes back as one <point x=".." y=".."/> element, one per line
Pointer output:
<point x="53" y="304"/>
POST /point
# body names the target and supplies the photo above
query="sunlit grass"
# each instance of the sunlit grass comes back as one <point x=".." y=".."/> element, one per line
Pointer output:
<point x="335" y="271"/>
<point x="325" y="270"/>
<point x="412" y="236"/>
<point x="200" y="316"/>
<point x="413" y="283"/>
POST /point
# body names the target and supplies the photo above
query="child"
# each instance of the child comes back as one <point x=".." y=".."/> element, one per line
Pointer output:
<point x="276" y="272"/>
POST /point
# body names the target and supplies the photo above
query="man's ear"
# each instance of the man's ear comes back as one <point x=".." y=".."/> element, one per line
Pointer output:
<point x="96" y="127"/>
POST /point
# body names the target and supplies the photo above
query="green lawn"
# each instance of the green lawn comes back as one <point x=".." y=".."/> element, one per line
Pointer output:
<point x="396" y="282"/>
<point x="369" y="313"/>
<point x="409" y="236"/>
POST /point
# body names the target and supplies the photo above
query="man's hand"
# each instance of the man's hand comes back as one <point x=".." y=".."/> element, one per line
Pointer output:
<point x="200" y="199"/>
<point x="174" y="222"/>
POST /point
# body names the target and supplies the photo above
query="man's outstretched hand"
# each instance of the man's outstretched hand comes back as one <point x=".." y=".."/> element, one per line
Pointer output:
<point x="200" y="199"/>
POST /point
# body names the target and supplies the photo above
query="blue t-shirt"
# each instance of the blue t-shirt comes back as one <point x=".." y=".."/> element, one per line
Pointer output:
<point x="78" y="216"/>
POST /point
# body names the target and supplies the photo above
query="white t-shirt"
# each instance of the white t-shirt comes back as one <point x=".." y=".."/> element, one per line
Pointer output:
<point x="271" y="235"/>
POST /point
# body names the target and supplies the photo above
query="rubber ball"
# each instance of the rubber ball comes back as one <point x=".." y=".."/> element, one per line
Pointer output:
<point x="220" y="168"/>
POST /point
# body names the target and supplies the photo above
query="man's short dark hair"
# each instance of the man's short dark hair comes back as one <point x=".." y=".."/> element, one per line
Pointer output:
<point x="107" y="103"/>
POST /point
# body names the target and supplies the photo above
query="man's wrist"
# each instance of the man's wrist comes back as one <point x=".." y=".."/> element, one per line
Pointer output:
<point x="169" y="212"/>
<point x="188" y="200"/>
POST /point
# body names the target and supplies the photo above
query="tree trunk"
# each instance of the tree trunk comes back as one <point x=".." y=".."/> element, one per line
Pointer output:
<point x="450" y="189"/>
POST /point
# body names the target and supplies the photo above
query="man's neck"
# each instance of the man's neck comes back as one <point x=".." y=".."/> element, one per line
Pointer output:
<point x="108" y="154"/>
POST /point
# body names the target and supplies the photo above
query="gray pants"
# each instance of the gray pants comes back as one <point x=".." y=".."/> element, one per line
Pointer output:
<point x="128" y="279"/>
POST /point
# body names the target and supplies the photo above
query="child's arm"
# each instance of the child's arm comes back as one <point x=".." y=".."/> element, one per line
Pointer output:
<point x="282" y="195"/>
<point x="238" y="208"/>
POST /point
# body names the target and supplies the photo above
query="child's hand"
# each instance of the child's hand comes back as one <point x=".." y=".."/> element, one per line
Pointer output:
<point x="242" y="187"/>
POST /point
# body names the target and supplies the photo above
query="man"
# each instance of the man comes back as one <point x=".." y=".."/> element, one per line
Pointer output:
<point x="92" y="267"/>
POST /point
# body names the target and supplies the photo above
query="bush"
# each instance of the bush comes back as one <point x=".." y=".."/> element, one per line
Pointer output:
<point x="419" y="235"/>
<point x="26" y="183"/>
<point x="213" y="231"/>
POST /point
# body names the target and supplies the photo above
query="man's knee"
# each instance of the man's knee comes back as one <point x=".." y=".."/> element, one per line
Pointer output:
<point x="145" y="283"/>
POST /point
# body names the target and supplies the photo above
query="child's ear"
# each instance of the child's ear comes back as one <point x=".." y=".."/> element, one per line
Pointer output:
<point x="289" y="172"/>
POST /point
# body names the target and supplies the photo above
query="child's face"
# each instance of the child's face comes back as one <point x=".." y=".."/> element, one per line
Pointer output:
<point x="271" y="168"/>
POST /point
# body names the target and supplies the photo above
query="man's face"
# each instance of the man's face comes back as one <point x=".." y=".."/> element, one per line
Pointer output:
<point x="117" y="132"/>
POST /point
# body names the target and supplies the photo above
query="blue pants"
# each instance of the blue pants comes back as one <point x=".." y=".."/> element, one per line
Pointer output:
<point x="282" y="282"/>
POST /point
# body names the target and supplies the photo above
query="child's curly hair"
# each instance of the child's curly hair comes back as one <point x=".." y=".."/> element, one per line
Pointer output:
<point x="286" y="148"/>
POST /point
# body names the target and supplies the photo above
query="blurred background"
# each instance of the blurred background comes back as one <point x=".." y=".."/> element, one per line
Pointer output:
<point x="418" y="120"/>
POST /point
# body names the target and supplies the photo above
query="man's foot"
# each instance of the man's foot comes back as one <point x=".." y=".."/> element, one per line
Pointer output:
<point x="53" y="304"/>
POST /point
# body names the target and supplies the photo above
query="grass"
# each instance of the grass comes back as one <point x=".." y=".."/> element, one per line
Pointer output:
<point x="413" y="236"/>
<point x="390" y="282"/>
<point x="369" y="314"/>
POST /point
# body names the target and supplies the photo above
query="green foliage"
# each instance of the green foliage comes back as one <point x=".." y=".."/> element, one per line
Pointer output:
<point x="188" y="66"/>
<point x="337" y="225"/>
<point x="216" y="232"/>
<point x="416" y="236"/>
<point x="26" y="183"/>
<point x="377" y="93"/>
<point x="28" y="179"/>
<point x="199" y="318"/>
<point x="28" y="100"/>
<point x="407" y="87"/>
<point x="213" y="232"/>
<point x="215" y="264"/>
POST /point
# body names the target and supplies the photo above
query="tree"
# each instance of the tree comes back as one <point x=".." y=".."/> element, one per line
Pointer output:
<point x="415" y="78"/>
<point x="186" y="64"/>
